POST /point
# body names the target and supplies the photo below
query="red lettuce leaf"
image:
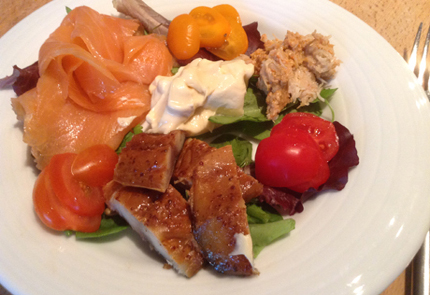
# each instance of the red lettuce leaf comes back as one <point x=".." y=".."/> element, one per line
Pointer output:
<point x="22" y="80"/>
<point x="345" y="158"/>
<point x="254" y="37"/>
<point x="283" y="199"/>
<point x="202" y="53"/>
<point x="292" y="202"/>
<point x="9" y="80"/>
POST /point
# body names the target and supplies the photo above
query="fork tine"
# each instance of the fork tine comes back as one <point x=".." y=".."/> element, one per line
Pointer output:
<point x="413" y="57"/>
<point x="423" y="63"/>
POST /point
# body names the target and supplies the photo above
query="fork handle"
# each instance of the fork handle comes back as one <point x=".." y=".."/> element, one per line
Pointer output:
<point x="420" y="269"/>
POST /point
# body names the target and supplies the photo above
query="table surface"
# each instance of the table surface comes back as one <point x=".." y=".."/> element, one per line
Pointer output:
<point x="395" y="20"/>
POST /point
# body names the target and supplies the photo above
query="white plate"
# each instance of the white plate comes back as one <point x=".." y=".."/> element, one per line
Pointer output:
<point x="352" y="242"/>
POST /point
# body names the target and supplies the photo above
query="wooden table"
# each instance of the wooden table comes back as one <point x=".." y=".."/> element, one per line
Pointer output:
<point x="397" y="21"/>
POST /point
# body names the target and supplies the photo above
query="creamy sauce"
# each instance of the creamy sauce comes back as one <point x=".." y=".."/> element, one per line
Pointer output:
<point x="243" y="247"/>
<point x="197" y="91"/>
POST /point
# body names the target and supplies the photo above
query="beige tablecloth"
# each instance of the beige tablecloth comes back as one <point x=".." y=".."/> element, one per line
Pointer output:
<point x="397" y="21"/>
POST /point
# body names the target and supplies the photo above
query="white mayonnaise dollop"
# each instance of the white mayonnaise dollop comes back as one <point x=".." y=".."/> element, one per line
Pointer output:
<point x="197" y="91"/>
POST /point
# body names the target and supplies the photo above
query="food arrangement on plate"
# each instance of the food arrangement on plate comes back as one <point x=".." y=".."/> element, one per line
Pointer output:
<point x="148" y="123"/>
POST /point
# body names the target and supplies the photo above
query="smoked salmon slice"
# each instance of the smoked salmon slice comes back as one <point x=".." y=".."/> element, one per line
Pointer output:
<point x="93" y="87"/>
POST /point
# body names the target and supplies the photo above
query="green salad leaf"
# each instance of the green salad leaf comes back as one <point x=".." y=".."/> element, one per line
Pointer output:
<point x="266" y="226"/>
<point x="253" y="122"/>
<point x="326" y="94"/>
<point x="136" y="130"/>
<point x="253" y="108"/>
<point x="174" y="70"/>
<point x="108" y="226"/>
<point x="265" y="234"/>
<point x="257" y="214"/>
<point x="242" y="149"/>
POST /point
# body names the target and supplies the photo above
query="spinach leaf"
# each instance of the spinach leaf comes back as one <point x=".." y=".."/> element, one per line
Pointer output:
<point x="327" y="92"/>
<point x="108" y="226"/>
<point x="242" y="149"/>
<point x="254" y="123"/>
<point x="136" y="130"/>
<point x="254" y="109"/>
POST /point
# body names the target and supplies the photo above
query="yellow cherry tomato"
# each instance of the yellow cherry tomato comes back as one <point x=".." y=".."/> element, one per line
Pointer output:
<point x="229" y="12"/>
<point x="183" y="37"/>
<point x="214" y="27"/>
<point x="237" y="41"/>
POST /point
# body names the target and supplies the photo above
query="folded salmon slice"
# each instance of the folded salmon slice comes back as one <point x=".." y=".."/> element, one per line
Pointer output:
<point x="162" y="219"/>
<point x="93" y="86"/>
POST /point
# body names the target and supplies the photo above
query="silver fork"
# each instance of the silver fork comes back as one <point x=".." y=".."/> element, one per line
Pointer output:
<point x="420" y="69"/>
<point x="420" y="264"/>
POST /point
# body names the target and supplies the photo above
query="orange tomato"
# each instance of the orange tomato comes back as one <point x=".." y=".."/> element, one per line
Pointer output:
<point x="78" y="197"/>
<point x="183" y="37"/>
<point x="95" y="165"/>
<point x="54" y="214"/>
<point x="229" y="12"/>
<point x="237" y="41"/>
<point x="44" y="207"/>
<point x="214" y="27"/>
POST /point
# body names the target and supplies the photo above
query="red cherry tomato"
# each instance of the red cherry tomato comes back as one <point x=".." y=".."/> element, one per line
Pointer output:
<point x="54" y="214"/>
<point x="291" y="160"/>
<point x="322" y="131"/>
<point x="78" y="197"/>
<point x="95" y="165"/>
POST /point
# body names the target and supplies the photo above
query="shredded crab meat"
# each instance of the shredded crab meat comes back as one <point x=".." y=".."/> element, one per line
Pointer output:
<point x="292" y="69"/>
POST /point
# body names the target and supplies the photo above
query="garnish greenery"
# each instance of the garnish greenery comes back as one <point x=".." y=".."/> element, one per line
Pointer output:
<point x="266" y="226"/>
<point x="254" y="109"/>
<point x="242" y="149"/>
<point x="136" y="130"/>
<point x="256" y="214"/>
<point x="326" y="94"/>
<point x="253" y="123"/>
<point x="174" y="70"/>
<point x="108" y="226"/>
<point x="264" y="234"/>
